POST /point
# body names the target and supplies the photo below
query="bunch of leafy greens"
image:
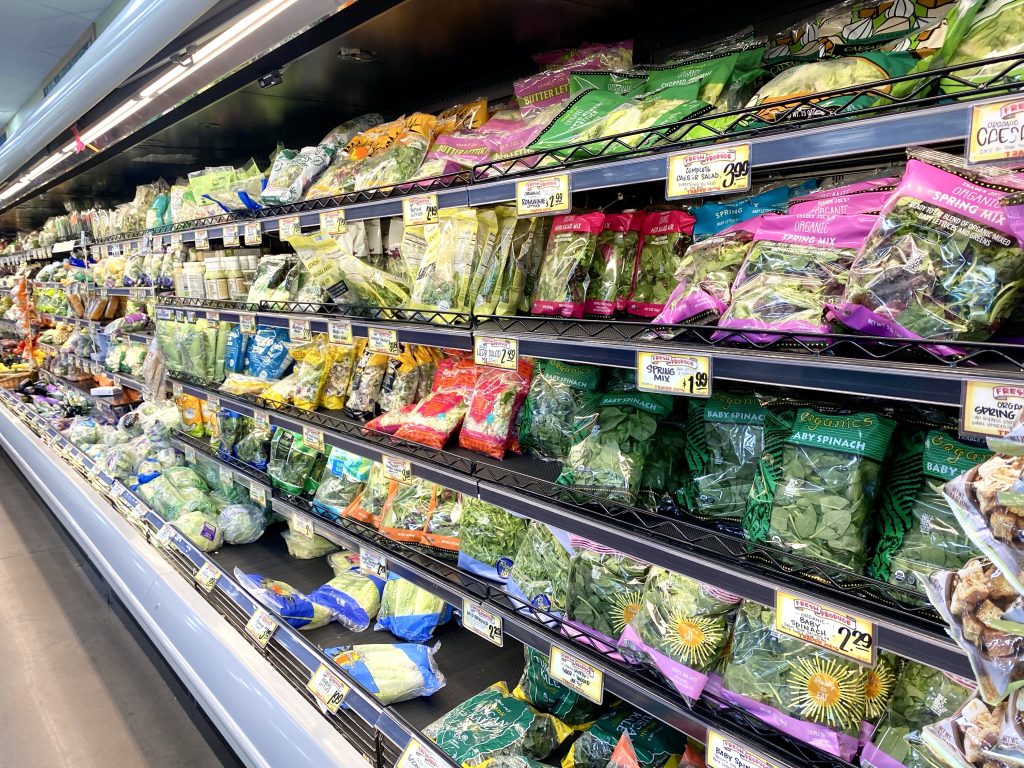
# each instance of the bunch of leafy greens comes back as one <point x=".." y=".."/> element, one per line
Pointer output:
<point x="291" y="461"/>
<point x="558" y="392"/>
<point x="653" y="741"/>
<point x="489" y="536"/>
<point x="540" y="573"/>
<point x="605" y="590"/>
<point x="665" y="478"/>
<point x="492" y="724"/>
<point x="538" y="689"/>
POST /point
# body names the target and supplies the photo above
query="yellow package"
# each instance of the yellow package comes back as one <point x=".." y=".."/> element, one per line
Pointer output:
<point x="280" y="392"/>
<point x="191" y="411"/>
<point x="443" y="278"/>
<point x="339" y="373"/>
<point x="241" y="384"/>
<point x="310" y="372"/>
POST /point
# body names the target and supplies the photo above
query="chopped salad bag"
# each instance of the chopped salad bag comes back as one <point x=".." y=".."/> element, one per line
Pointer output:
<point x="616" y="251"/>
<point x="941" y="261"/>
<point x="919" y="533"/>
<point x="558" y="392"/>
<point x="780" y="680"/>
<point x="815" y="489"/>
<point x="392" y="672"/>
<point x="725" y="439"/>
<point x="284" y="601"/>
<point x="654" y="742"/>
<point x="541" y="691"/>
<point x="367" y="379"/>
<point x="540" y="572"/>
<point x="344" y="477"/>
<point x="681" y="629"/>
<point x="353" y="598"/>
<point x="494" y="408"/>
<point x="561" y="282"/>
<point x="492" y="724"/>
<point x="705" y="275"/>
<point x="666" y="236"/>
<point x="605" y="593"/>
<point x="410" y="612"/>
<point x="796" y="269"/>
<point x="339" y="374"/>
<point x="489" y="538"/>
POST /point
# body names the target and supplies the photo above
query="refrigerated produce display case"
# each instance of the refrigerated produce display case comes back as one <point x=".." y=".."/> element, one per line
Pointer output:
<point x="549" y="383"/>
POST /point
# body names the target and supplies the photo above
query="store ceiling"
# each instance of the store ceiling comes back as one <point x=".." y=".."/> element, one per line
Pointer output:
<point x="34" y="37"/>
<point x="427" y="55"/>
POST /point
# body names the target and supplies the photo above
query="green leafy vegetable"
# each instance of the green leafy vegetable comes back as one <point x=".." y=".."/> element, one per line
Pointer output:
<point x="558" y="392"/>
<point x="605" y="591"/>
<point x="540" y="574"/>
<point x="490" y="538"/>
<point x="653" y="741"/>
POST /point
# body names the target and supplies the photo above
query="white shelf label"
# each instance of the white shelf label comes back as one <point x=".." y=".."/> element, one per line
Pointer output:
<point x="373" y="563"/>
<point x="212" y="316"/>
<point x="673" y="374"/>
<point x="723" y="752"/>
<point x="711" y="171"/>
<point x="396" y="469"/>
<point x="576" y="674"/>
<point x="481" y="621"/>
<point x="258" y="494"/>
<point x="212" y="403"/>
<point x="202" y="240"/>
<point x="543" y="196"/>
<point x="253" y="233"/>
<point x="496" y="352"/>
<point x="314" y="438"/>
<point x="230" y="234"/>
<point x="989" y="408"/>
<point x="416" y="755"/>
<point x="838" y="631"/>
<point x="261" y="627"/>
<point x="303" y="526"/>
<point x="289" y="226"/>
<point x="328" y="688"/>
<point x="339" y="331"/>
<point x="165" y="536"/>
<point x="247" y="322"/>
<point x="262" y="419"/>
<point x="298" y="329"/>
<point x="382" y="340"/>
<point x="227" y="477"/>
<point x="332" y="222"/>
<point x="420" y="209"/>
<point x="190" y="455"/>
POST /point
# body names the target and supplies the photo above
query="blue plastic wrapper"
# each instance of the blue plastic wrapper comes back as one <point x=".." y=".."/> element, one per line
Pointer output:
<point x="352" y="597"/>
<point x="267" y="356"/>
<point x="713" y="217"/>
<point x="391" y="672"/>
<point x="234" y="350"/>
<point x="411" y="613"/>
<point x="284" y="601"/>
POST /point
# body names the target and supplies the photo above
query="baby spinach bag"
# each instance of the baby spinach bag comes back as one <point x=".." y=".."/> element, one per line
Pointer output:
<point x="538" y="689"/>
<point x="653" y="741"/>
<point x="540" y="570"/>
<point x="489" y="539"/>
<point x="558" y="392"/>
<point x="725" y="438"/>
<point x="918" y="531"/>
<point x="291" y="461"/>
<point x="816" y="486"/>
<point x="665" y="478"/>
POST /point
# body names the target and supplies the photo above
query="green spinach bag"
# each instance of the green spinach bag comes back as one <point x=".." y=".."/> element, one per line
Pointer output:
<point x="918" y="531"/>
<point x="725" y="439"/>
<point x="816" y="486"/>
<point x="538" y="689"/>
<point x="664" y="479"/>
<point x="492" y="724"/>
<point x="558" y="392"/>
<point x="291" y="461"/>
<point x="489" y="539"/>
<point x="653" y="741"/>
<point x="540" y="570"/>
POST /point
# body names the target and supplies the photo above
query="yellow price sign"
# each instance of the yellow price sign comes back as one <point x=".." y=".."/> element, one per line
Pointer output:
<point x="202" y="240"/>
<point x="339" y="331"/>
<point x="830" y="628"/>
<point x="496" y="352"/>
<point x="207" y="576"/>
<point x="543" y="196"/>
<point x="711" y="171"/>
<point x="674" y="373"/>
<point x="990" y="408"/>
<point x="382" y="340"/>
<point x="332" y="222"/>
<point x="420" y="209"/>
<point x="328" y="688"/>
<point x="253" y="233"/>
<point x="576" y="674"/>
<point x="397" y="469"/>
<point x="261" y="627"/>
<point x="289" y="226"/>
<point x="996" y="132"/>
<point x="230" y="235"/>
<point x="314" y="438"/>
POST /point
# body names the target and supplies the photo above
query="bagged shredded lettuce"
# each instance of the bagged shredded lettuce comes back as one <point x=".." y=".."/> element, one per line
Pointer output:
<point x="353" y="599"/>
<point x="284" y="601"/>
<point x="489" y="539"/>
<point x="302" y="548"/>
<point x="561" y="284"/>
<point x="391" y="672"/>
<point x="409" y="612"/>
<point x="666" y="236"/>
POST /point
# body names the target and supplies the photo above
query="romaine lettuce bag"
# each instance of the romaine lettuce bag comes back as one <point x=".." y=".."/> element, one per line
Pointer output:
<point x="706" y="273"/>
<point x="489" y="539"/>
<point x="725" y="439"/>
<point x="978" y="30"/>
<point x="353" y="599"/>
<point x="985" y="616"/>
<point x="538" y="689"/>
<point x="391" y="672"/>
<point x="653" y="741"/>
<point x="616" y="251"/>
<point x="921" y="696"/>
<point x="561" y="282"/>
<point x="795" y="270"/>
<point x="624" y="283"/>
<point x="919" y="532"/>
<point x="806" y="692"/>
<point x="666" y="236"/>
<point x="941" y="261"/>
<point x="409" y="612"/>
<point x="681" y="629"/>
<point x="557" y="394"/>
<point x="540" y="570"/>
<point x="492" y="724"/>
<point x="442" y="282"/>
<point x="815" y="489"/>
<point x="284" y="601"/>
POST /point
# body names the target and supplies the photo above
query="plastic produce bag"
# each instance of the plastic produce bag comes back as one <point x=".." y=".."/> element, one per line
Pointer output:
<point x="344" y="561"/>
<point x="242" y="523"/>
<point x="303" y="548"/>
<point x="725" y="438"/>
<point x="401" y="160"/>
<point x="978" y="30"/>
<point x="313" y="363"/>
<point x="666" y="236"/>
<point x="352" y="597"/>
<point x="443" y="529"/>
<point x="367" y="379"/>
<point x="492" y="724"/>
<point x="391" y="672"/>
<point x="202" y="529"/>
<point x="293" y="172"/>
<point x="409" y="612"/>
<point x="919" y="531"/>
<point x="345" y="476"/>
<point x="291" y="461"/>
<point x="681" y="629"/>
<point x="407" y="509"/>
<point x="494" y="408"/>
<point x="941" y="262"/>
<point x="517" y="283"/>
<point x="339" y="374"/>
<point x="615" y="252"/>
<point x="815" y="489"/>
<point x="401" y="381"/>
<point x="545" y="694"/>
<point x="284" y="601"/>
<point x="561" y="282"/>
<point x="368" y="506"/>
<point x="558" y="392"/>
<point x="653" y="741"/>
<point x="540" y="571"/>
<point x="489" y="539"/>
<point x="267" y="356"/>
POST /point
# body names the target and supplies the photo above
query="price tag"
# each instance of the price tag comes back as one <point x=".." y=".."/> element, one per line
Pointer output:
<point x="103" y="293"/>
<point x="314" y="438"/>
<point x="247" y="323"/>
<point x="175" y="239"/>
<point x="711" y="171"/>
<point x="415" y="755"/>
<point x="190" y="455"/>
<point x="332" y="222"/>
<point x="397" y="469"/>
<point x="212" y="403"/>
<point x="165" y="536"/>
<point x="339" y="331"/>
<point x="496" y="352"/>
<point x="253" y="233"/>
<point x="177" y="390"/>
<point x="261" y="626"/>
<point x="829" y="628"/>
<point x="179" y="315"/>
<point x="996" y="131"/>
<point x="258" y="494"/>
<point x="227" y="477"/>
<point x="480" y="621"/>
<point x="328" y="688"/>
<point x="212" y="316"/>
<point x="420" y="209"/>
<point x="202" y="240"/>
<point x="164" y="313"/>
<point x="230" y="234"/>
<point x="574" y="673"/>
<point x="289" y="226"/>
<point x="543" y="196"/>
<point x="382" y="340"/>
<point x="303" y="526"/>
<point x="118" y="382"/>
<point x="373" y="563"/>
<point x="673" y="373"/>
<point x="989" y="408"/>
<point x="298" y="329"/>
<point x="262" y="419"/>
<point x="723" y="752"/>
<point x="207" y="576"/>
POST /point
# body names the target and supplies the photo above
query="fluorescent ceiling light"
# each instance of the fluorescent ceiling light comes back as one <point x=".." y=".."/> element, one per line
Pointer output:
<point x="15" y="188"/>
<point x="236" y="32"/>
<point x="47" y="164"/>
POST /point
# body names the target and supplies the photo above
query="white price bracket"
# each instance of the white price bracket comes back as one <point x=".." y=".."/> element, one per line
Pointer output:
<point x="314" y="438"/>
<point x="230" y="234"/>
<point x="576" y="674"/>
<point x="202" y="240"/>
<point x="421" y="209"/>
<point x="396" y="469"/>
<point x="298" y="329"/>
<point x="207" y="576"/>
<point x="483" y="622"/>
<point x="303" y="526"/>
<point x="415" y="755"/>
<point x="496" y="352"/>
<point x="339" y="331"/>
<point x="382" y="340"/>
<point x="332" y="222"/>
<point x="543" y="196"/>
<point x="261" y="627"/>
<point x="724" y="752"/>
<point x="253" y="233"/>
<point x="373" y="563"/>
<point x="989" y="408"/>
<point x="328" y="688"/>
<point x="247" y="322"/>
<point x="258" y="494"/>
<point x="165" y="536"/>
<point x="711" y="171"/>
<point x="289" y="226"/>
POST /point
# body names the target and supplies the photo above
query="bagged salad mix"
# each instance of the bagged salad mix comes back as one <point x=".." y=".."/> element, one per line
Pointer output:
<point x="339" y="374"/>
<point x="284" y="601"/>
<point x="978" y="30"/>
<point x="558" y="392"/>
<point x="654" y="742"/>
<point x="444" y="525"/>
<point x="489" y="538"/>
<point x="816" y="486"/>
<point x="368" y="506"/>
<point x="409" y="612"/>
<point x="545" y="694"/>
<point x="616" y="249"/>
<point x="291" y="461"/>
<point x="941" y="262"/>
<point x="796" y="269"/>
<point x="540" y="570"/>
<point x="492" y="724"/>
<point x="407" y="509"/>
<point x="561" y="282"/>
<point x="919" y="533"/>
<point x="666" y="236"/>
<point x="344" y="477"/>
<point x="353" y="598"/>
<point x="436" y="418"/>
<point x="391" y="672"/>
<point x="494" y="407"/>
